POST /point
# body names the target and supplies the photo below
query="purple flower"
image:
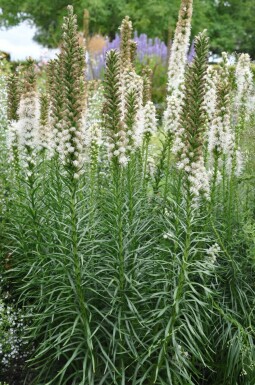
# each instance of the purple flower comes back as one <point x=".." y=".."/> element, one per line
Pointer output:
<point x="192" y="52"/>
<point x="147" y="49"/>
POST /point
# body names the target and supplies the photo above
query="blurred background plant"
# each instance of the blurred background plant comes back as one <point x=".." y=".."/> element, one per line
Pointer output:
<point x="230" y="26"/>
<point x="230" y="29"/>
<point x="147" y="50"/>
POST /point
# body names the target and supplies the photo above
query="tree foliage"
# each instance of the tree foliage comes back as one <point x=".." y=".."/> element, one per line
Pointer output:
<point x="230" y="23"/>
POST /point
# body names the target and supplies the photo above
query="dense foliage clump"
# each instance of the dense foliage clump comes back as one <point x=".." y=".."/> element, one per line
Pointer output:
<point x="127" y="248"/>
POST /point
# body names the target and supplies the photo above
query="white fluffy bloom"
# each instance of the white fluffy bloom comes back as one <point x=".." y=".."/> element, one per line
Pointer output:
<point x="3" y="101"/>
<point x="218" y="177"/>
<point x="172" y="112"/>
<point x="93" y="135"/>
<point x="212" y="253"/>
<point x="197" y="176"/>
<point x="71" y="144"/>
<point x="28" y="129"/>
<point x="242" y="112"/>
<point x="12" y="140"/>
<point x="132" y="85"/>
<point x="210" y="94"/>
<point x="92" y="120"/>
<point x="239" y="162"/>
<point x="138" y="131"/>
<point x="223" y="135"/>
<point x="150" y="120"/>
<point x="128" y="134"/>
<point x="176" y="67"/>
<point x="46" y="136"/>
<point x="151" y="166"/>
<point x="28" y="123"/>
<point x="123" y="160"/>
<point x="180" y="46"/>
<point x="221" y="138"/>
<point x="119" y="148"/>
<point x="244" y="80"/>
<point x="193" y="165"/>
<point x="10" y="137"/>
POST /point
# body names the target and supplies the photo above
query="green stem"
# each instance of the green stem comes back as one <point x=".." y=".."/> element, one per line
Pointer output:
<point x="78" y="268"/>
<point x="145" y="160"/>
<point x="167" y="168"/>
<point x="224" y="179"/>
<point x="161" y="163"/>
<point x="178" y="293"/>
<point x="33" y="207"/>
<point x="118" y="186"/>
<point x="119" y="193"/>
<point x="214" y="181"/>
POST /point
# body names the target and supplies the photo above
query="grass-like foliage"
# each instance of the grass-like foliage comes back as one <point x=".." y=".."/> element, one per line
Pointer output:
<point x="129" y="247"/>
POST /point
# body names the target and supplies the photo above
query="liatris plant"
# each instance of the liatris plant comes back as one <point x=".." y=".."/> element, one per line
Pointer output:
<point x="210" y="102"/>
<point x="125" y="43"/>
<point x="177" y="63"/>
<point x="28" y="122"/>
<point x="173" y="345"/>
<point x="131" y="259"/>
<point x="45" y="135"/>
<point x="3" y="148"/>
<point x="221" y="141"/>
<point x="56" y="99"/>
<point x="13" y="96"/>
<point x="112" y="110"/>
<point x="176" y="70"/>
<point x="93" y="134"/>
<point x="179" y="48"/>
<point x="244" y="83"/>
<point x="12" y="114"/>
<point x="189" y="139"/>
<point x="72" y="67"/>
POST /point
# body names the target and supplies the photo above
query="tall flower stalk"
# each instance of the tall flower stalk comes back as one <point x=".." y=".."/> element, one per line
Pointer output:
<point x="45" y="130"/>
<point x="56" y="96"/>
<point x="72" y="145"/>
<point x="13" y="93"/>
<point x="93" y="133"/>
<point x="132" y="110"/>
<point x="244" y="84"/>
<point x="67" y="111"/>
<point x="241" y="117"/>
<point x="210" y="102"/>
<point x="74" y="91"/>
<point x="149" y="118"/>
<point x="126" y="47"/>
<point x="220" y="136"/>
<point x="190" y="136"/>
<point x="28" y="123"/>
<point x="176" y="72"/>
<point x="115" y="133"/>
<point x="117" y="149"/>
<point x="179" y="48"/>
